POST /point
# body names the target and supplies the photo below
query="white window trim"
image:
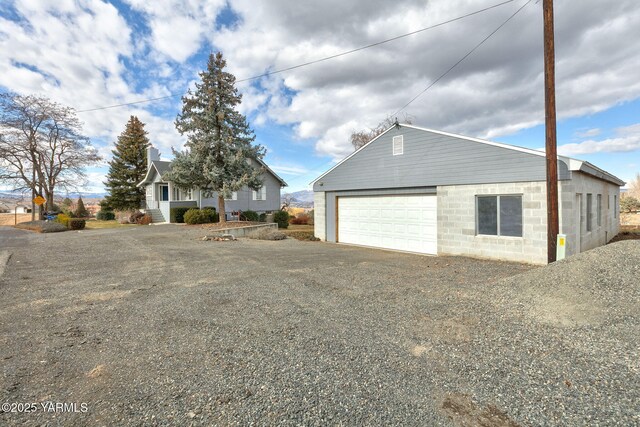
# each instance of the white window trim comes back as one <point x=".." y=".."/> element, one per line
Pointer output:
<point x="398" y="145"/>
<point x="263" y="194"/>
<point x="234" y="196"/>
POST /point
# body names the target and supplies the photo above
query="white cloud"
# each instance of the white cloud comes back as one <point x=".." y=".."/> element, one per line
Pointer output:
<point x="497" y="91"/>
<point x="288" y="170"/>
<point x="627" y="139"/>
<point x="588" y="133"/>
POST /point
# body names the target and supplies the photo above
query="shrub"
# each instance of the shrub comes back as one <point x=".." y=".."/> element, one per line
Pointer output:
<point x="267" y="234"/>
<point x="135" y="217"/>
<point x="144" y="219"/>
<point x="212" y="214"/>
<point x="282" y="218"/>
<point x="312" y="216"/>
<point x="249" y="216"/>
<point x="629" y="204"/>
<point x="301" y="219"/>
<point x="303" y="235"/>
<point x="81" y="211"/>
<point x="177" y="214"/>
<point x="199" y="216"/>
<point x="105" y="216"/>
<point x="63" y="219"/>
<point x="76" y="224"/>
<point x="262" y="217"/>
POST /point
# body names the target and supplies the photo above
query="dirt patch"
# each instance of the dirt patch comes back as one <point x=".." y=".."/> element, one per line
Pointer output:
<point x="464" y="412"/>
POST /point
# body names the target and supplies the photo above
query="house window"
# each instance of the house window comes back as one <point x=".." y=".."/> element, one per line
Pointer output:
<point x="234" y="196"/>
<point x="398" y="145"/>
<point x="499" y="215"/>
<point x="599" y="209"/>
<point x="261" y="194"/>
<point x="589" y="211"/>
<point x="615" y="205"/>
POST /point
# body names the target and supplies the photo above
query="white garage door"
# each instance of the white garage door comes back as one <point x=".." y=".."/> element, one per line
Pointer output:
<point x="405" y="223"/>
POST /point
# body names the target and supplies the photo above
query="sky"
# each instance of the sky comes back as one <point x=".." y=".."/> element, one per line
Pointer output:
<point x="90" y="54"/>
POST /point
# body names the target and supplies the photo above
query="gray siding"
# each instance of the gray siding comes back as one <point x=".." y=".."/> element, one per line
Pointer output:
<point x="432" y="159"/>
<point x="245" y="198"/>
<point x="330" y="200"/>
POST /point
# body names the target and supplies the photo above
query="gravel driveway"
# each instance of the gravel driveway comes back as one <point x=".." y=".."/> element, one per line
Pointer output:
<point x="152" y="326"/>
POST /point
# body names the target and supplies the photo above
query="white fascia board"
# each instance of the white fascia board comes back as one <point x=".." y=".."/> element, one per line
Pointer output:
<point x="146" y="177"/>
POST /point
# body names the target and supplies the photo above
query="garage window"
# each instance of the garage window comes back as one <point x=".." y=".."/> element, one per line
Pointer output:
<point x="499" y="215"/>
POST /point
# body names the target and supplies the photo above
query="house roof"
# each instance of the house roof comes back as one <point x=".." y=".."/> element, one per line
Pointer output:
<point x="159" y="166"/>
<point x="163" y="166"/>
<point x="572" y="164"/>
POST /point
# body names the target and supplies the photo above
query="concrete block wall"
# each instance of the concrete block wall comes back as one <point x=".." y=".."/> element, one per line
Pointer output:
<point x="457" y="223"/>
<point x="573" y="218"/>
<point x="320" y="215"/>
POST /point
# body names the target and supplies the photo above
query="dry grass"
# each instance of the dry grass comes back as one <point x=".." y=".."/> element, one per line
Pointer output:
<point x="9" y="218"/>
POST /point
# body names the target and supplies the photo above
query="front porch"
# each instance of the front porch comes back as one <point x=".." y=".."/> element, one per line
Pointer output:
<point x="162" y="196"/>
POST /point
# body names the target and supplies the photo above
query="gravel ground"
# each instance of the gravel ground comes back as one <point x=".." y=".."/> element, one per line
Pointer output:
<point x="152" y="326"/>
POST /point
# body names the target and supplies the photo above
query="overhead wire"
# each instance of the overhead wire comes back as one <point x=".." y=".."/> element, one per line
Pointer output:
<point x="461" y="59"/>
<point x="304" y="64"/>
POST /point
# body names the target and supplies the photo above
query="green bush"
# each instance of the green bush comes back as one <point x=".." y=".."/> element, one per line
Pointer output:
<point x="76" y="224"/>
<point x="249" y="216"/>
<point x="212" y="214"/>
<point x="262" y="217"/>
<point x="106" y="216"/>
<point x="177" y="214"/>
<point x="200" y="216"/>
<point x="63" y="219"/>
<point x="282" y="218"/>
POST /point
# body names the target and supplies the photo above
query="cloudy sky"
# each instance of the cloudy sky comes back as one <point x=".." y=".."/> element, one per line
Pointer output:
<point x="92" y="53"/>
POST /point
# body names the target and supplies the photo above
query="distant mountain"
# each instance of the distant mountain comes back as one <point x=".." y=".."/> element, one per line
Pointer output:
<point x="303" y="198"/>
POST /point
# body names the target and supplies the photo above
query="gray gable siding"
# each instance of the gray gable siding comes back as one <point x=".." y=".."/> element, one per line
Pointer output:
<point x="432" y="159"/>
<point x="245" y="198"/>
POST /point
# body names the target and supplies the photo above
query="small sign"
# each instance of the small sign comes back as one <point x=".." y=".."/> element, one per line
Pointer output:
<point x="39" y="200"/>
<point x="561" y="247"/>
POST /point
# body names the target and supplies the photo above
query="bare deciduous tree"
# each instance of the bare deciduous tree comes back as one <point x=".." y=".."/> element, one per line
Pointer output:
<point x="634" y="187"/>
<point x="361" y="138"/>
<point x="41" y="146"/>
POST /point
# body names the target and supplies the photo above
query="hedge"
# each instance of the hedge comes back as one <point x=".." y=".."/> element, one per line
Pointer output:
<point x="105" y="216"/>
<point x="201" y="216"/>
<point x="249" y="215"/>
<point x="76" y="224"/>
<point x="177" y="214"/>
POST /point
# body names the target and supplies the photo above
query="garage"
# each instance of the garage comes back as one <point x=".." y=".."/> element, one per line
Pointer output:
<point x="402" y="222"/>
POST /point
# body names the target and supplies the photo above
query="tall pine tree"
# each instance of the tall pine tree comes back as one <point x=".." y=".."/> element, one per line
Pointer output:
<point x="128" y="167"/>
<point x="219" y="139"/>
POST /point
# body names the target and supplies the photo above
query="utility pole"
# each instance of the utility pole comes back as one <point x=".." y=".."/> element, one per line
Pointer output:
<point x="553" y="226"/>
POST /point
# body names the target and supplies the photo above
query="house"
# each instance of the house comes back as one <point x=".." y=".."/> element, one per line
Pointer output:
<point x="420" y="190"/>
<point x="162" y="195"/>
<point x="21" y="209"/>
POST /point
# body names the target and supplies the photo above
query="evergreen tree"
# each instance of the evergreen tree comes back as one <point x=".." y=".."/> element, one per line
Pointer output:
<point x="81" y="211"/>
<point x="219" y="139"/>
<point x="128" y="167"/>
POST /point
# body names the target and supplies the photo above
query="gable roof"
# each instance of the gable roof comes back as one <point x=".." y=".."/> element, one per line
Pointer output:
<point x="163" y="166"/>
<point x="572" y="164"/>
<point x="159" y="166"/>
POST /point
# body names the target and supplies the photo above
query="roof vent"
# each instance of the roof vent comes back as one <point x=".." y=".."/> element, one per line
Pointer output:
<point x="398" y="145"/>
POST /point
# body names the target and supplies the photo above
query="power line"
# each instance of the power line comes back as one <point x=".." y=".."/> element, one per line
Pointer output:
<point x="282" y="70"/>
<point x="461" y="59"/>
